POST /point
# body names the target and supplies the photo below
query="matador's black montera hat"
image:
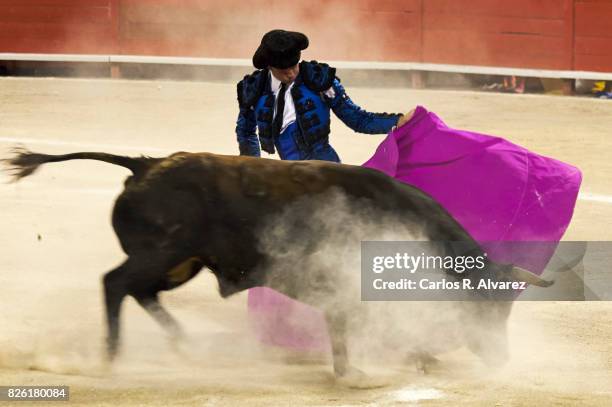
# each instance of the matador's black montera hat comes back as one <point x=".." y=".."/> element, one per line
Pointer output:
<point x="280" y="49"/>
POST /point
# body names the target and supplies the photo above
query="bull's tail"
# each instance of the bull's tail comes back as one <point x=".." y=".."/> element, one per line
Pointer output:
<point x="25" y="162"/>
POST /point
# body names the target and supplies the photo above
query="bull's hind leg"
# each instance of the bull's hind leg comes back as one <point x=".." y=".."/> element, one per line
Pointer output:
<point x="150" y="302"/>
<point x="163" y="275"/>
<point x="142" y="277"/>
<point x="115" y="290"/>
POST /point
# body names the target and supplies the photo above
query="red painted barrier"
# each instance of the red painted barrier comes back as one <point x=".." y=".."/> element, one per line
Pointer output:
<point x="547" y="34"/>
<point x="519" y="33"/>
<point x="593" y="35"/>
<point x="356" y="30"/>
<point x="58" y="26"/>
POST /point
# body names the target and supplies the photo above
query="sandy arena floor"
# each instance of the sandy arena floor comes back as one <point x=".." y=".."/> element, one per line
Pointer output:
<point x="56" y="242"/>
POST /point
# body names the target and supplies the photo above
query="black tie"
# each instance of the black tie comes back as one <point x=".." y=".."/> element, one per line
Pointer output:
<point x="280" y="109"/>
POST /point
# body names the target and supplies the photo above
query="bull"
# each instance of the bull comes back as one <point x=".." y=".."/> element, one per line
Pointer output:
<point x="189" y="211"/>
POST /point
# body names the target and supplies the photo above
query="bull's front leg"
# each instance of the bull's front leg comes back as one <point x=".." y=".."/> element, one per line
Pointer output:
<point x="336" y="327"/>
<point x="348" y="375"/>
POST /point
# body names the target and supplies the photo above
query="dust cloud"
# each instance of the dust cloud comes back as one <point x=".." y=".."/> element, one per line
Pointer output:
<point x="316" y="251"/>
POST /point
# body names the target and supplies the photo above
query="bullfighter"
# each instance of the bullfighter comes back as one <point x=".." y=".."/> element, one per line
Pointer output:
<point x="288" y="103"/>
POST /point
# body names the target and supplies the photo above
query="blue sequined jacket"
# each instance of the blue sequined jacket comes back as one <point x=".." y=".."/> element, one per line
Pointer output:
<point x="312" y="106"/>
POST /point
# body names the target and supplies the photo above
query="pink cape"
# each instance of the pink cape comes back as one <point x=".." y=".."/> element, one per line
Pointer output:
<point x="496" y="190"/>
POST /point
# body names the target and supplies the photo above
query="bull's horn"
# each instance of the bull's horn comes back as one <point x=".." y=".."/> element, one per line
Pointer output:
<point x="520" y="274"/>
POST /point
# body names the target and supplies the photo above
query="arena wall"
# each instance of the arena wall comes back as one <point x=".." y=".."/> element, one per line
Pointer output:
<point x="518" y="33"/>
<point x="541" y="34"/>
<point x="593" y="35"/>
<point x="59" y="26"/>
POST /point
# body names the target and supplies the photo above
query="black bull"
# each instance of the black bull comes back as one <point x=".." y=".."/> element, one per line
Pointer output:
<point x="188" y="211"/>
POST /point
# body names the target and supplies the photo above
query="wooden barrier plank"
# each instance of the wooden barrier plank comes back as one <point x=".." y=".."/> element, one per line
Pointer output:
<point x="55" y="46"/>
<point x="548" y="9"/>
<point x="56" y="26"/>
<point x="393" y="6"/>
<point x="594" y="19"/>
<point x="496" y="24"/>
<point x="389" y="36"/>
<point x="593" y="35"/>
<point x="593" y="1"/>
<point x="164" y="14"/>
<point x="593" y="46"/>
<point x="186" y="46"/>
<point x="56" y="3"/>
<point x="472" y="48"/>
<point x="60" y="15"/>
<point x="522" y="33"/>
<point x="513" y="44"/>
<point x="16" y="31"/>
<point x="275" y="7"/>
<point x="596" y="63"/>
<point x="196" y="33"/>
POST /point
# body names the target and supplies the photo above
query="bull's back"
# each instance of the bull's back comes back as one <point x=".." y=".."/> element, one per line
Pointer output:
<point x="260" y="187"/>
<point x="233" y="196"/>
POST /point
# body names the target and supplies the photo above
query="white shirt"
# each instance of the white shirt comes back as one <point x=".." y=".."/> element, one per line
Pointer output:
<point x="289" y="113"/>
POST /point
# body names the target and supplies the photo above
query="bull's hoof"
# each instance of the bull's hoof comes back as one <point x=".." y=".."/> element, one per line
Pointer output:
<point x="178" y="346"/>
<point x="491" y="347"/>
<point x="104" y="369"/>
<point x="357" y="379"/>
<point x="112" y="351"/>
<point x="495" y="360"/>
<point x="423" y="361"/>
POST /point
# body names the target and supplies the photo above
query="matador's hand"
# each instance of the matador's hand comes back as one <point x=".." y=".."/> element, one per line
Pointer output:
<point x="404" y="118"/>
